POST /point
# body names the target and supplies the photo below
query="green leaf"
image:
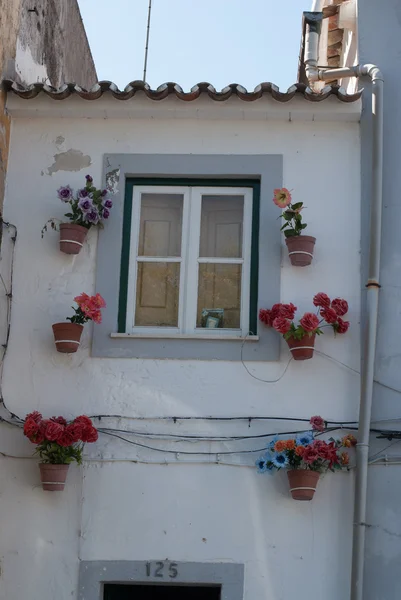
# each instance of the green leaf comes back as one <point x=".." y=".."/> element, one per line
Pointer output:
<point x="303" y="225"/>
<point x="290" y="233"/>
<point x="297" y="205"/>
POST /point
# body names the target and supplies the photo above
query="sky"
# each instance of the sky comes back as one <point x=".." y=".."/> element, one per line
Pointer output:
<point x="219" y="41"/>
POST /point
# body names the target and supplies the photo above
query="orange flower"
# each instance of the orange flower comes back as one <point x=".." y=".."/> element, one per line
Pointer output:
<point x="300" y="450"/>
<point x="349" y="440"/>
<point x="344" y="458"/>
<point x="290" y="445"/>
<point x="280" y="446"/>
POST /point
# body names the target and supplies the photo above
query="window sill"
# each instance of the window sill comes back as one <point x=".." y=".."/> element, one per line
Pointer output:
<point x="183" y="336"/>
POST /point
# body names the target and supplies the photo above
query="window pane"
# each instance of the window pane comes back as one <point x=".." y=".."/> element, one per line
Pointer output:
<point x="157" y="294"/>
<point x="221" y="226"/>
<point x="161" y="225"/>
<point x="219" y="296"/>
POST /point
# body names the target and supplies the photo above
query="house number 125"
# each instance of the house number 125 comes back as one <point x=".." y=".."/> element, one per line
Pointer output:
<point x="162" y="569"/>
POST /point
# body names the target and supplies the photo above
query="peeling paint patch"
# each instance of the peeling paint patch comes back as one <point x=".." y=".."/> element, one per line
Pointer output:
<point x="72" y="160"/>
<point x="112" y="181"/>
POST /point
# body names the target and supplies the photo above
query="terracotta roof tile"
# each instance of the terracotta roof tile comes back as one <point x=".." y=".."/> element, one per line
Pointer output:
<point x="173" y="89"/>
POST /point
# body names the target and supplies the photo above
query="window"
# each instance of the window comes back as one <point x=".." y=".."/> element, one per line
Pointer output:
<point x="204" y="253"/>
<point x="189" y="261"/>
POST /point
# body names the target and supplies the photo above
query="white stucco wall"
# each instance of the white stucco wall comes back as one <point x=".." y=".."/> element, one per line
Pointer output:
<point x="114" y="509"/>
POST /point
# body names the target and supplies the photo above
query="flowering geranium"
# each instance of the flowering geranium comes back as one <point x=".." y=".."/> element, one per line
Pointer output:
<point x="89" y="309"/>
<point x="58" y="441"/>
<point x="88" y="206"/>
<point x="281" y="316"/>
<point x="307" y="452"/>
<point x="293" y="225"/>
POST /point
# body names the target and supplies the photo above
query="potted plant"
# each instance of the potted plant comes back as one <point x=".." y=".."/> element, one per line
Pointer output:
<point x="305" y="457"/>
<point x="300" y="247"/>
<point x="58" y="444"/>
<point x="67" y="336"/>
<point x="301" y="337"/>
<point x="88" y="207"/>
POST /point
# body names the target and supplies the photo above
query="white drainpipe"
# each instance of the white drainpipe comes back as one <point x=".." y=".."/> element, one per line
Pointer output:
<point x="369" y="346"/>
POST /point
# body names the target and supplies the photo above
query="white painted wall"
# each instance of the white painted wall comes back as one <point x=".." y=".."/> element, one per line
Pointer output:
<point x="187" y="512"/>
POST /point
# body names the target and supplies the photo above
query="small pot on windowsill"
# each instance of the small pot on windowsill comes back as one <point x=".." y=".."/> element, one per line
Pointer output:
<point x="67" y="336"/>
<point x="300" y="249"/>
<point x="302" y="349"/>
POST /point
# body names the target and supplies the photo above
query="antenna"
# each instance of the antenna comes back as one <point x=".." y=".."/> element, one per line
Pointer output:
<point x="147" y="41"/>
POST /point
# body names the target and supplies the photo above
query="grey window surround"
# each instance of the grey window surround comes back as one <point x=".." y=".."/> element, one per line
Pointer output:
<point x="93" y="574"/>
<point x="117" y="168"/>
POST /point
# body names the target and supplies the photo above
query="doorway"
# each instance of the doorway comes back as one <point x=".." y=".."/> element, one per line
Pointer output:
<point x="160" y="592"/>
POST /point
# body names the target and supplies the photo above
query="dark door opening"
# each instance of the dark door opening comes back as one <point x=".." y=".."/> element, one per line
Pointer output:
<point x="160" y="592"/>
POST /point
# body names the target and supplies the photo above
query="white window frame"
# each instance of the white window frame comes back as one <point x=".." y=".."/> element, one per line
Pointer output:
<point x="189" y="261"/>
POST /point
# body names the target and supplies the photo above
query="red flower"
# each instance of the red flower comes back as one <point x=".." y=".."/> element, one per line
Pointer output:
<point x="59" y="420"/>
<point x="329" y="315"/>
<point x="35" y="416"/>
<point x="287" y="311"/>
<point x="341" y="326"/>
<point x="318" y="423"/>
<point x="89" y="435"/>
<point x="309" y="322"/>
<point x="75" y="431"/>
<point x="31" y="428"/>
<point x="66" y="439"/>
<point x="309" y="456"/>
<point x="53" y="431"/>
<point x="84" y="420"/>
<point x="340" y="306"/>
<point x="265" y="316"/>
<point x="281" y="325"/>
<point x="322" y="300"/>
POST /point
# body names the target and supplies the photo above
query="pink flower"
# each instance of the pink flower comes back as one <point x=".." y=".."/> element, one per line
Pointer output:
<point x="318" y="423"/>
<point x="282" y="197"/>
<point x="281" y="325"/>
<point x="288" y="311"/>
<point x="341" y="326"/>
<point x="99" y="301"/>
<point x="340" y="306"/>
<point x="309" y="322"/>
<point x="329" y="315"/>
<point x="322" y="300"/>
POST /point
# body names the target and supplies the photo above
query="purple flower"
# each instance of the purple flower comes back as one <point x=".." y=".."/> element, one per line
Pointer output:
<point x="92" y="216"/>
<point x="85" y="204"/>
<point x="83" y="193"/>
<point x="104" y="193"/>
<point x="105" y="213"/>
<point x="65" y="193"/>
<point x="89" y="179"/>
<point x="108" y="203"/>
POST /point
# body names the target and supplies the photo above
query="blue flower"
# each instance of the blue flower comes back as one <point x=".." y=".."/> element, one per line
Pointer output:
<point x="261" y="464"/>
<point x="270" y="445"/>
<point x="280" y="460"/>
<point x="304" y="439"/>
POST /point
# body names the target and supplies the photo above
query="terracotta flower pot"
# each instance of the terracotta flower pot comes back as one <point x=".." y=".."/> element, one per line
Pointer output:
<point x="72" y="238"/>
<point x="53" y="477"/>
<point x="300" y="249"/>
<point x="67" y="336"/>
<point x="302" y="349"/>
<point x="303" y="483"/>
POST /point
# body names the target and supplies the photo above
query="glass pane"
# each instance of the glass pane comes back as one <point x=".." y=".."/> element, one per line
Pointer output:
<point x="222" y="219"/>
<point x="219" y="296"/>
<point x="157" y="294"/>
<point x="161" y="225"/>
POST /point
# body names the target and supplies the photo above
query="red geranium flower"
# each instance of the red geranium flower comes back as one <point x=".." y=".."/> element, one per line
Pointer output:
<point x="329" y="315"/>
<point x="31" y="428"/>
<point x="321" y="300"/>
<point x="53" y="431"/>
<point x="288" y="311"/>
<point x="59" y="420"/>
<point x="281" y="325"/>
<point x="265" y="316"/>
<point x="342" y="326"/>
<point x="318" y="423"/>
<point x="35" y="416"/>
<point x="309" y="322"/>
<point x="340" y="306"/>
<point x="89" y="435"/>
<point x="75" y="431"/>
